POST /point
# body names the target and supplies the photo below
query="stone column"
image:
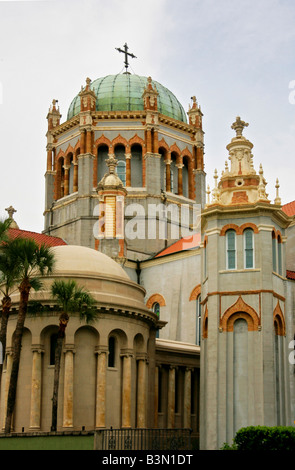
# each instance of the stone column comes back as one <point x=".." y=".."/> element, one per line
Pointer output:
<point x="128" y="169"/>
<point x="180" y="188"/>
<point x="168" y="176"/>
<point x="9" y="360"/>
<point x="100" y="420"/>
<point x="187" y="398"/>
<point x="35" y="416"/>
<point x="68" y="421"/>
<point x="126" y="391"/>
<point x="141" y="393"/>
<point x="75" y="185"/>
<point x="66" y="180"/>
<point x="171" y="398"/>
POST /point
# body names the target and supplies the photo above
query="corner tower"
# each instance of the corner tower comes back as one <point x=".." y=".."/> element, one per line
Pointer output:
<point x="159" y="155"/>
<point x="243" y="351"/>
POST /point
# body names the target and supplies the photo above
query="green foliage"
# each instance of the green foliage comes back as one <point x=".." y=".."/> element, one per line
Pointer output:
<point x="257" y="438"/>
<point x="74" y="299"/>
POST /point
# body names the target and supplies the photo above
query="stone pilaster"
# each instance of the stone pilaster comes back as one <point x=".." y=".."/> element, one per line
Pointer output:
<point x="171" y="398"/>
<point x="100" y="421"/>
<point x="126" y="389"/>
<point x="36" y="388"/>
<point x="141" y="393"/>
<point x="68" y="408"/>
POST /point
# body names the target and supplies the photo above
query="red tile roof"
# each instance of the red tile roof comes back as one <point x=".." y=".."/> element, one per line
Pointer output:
<point x="39" y="238"/>
<point x="291" y="275"/>
<point x="187" y="243"/>
<point x="289" y="208"/>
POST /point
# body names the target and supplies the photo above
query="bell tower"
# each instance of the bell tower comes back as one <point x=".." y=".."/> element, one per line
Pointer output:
<point x="243" y="349"/>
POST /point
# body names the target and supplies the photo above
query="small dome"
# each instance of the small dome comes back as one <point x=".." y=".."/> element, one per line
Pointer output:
<point x="123" y="92"/>
<point x="83" y="260"/>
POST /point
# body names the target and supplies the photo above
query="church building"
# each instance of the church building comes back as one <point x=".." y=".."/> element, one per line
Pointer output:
<point x="194" y="288"/>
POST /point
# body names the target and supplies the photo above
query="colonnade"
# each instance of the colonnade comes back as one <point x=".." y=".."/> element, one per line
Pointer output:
<point x="186" y="393"/>
<point x="68" y="420"/>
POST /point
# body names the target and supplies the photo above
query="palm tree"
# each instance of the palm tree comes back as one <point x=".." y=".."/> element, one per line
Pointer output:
<point x="8" y="277"/>
<point x="72" y="299"/>
<point x="6" y="301"/>
<point x="4" y="226"/>
<point x="32" y="262"/>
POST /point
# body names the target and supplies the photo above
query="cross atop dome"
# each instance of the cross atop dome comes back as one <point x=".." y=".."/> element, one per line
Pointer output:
<point x="127" y="54"/>
<point x="239" y="126"/>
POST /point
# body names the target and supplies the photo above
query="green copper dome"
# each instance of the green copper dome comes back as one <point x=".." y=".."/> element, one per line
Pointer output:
<point x="123" y="92"/>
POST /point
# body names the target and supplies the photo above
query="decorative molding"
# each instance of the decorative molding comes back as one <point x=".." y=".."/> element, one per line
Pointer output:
<point x="156" y="298"/>
<point x="240" y="310"/>
<point x="195" y="293"/>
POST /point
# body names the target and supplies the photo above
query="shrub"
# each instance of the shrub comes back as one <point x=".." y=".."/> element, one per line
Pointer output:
<point x="264" y="438"/>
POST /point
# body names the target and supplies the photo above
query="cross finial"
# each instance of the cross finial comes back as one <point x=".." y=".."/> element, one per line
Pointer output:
<point x="10" y="211"/>
<point x="125" y="51"/>
<point x="239" y="125"/>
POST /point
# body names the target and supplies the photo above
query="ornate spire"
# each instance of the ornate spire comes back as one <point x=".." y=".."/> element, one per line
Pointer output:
<point x="278" y="200"/>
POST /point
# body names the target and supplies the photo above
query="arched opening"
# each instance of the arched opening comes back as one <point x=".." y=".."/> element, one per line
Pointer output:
<point x="157" y="311"/>
<point x="102" y="156"/>
<point x="163" y="154"/>
<point x="136" y="166"/>
<point x="112" y="351"/>
<point x="185" y="177"/>
<point x="240" y="373"/>
<point x="174" y="173"/>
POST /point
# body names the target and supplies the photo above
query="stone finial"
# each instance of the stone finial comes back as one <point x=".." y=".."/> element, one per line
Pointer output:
<point x="11" y="211"/>
<point x="88" y="81"/>
<point x="278" y="200"/>
<point x="208" y="192"/>
<point x="239" y="126"/>
<point x="112" y="163"/>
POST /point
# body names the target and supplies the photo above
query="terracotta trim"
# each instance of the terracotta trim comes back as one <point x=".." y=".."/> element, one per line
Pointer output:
<point x="156" y="298"/>
<point x="240" y="310"/>
<point x="195" y="293"/>
<point x="279" y="321"/>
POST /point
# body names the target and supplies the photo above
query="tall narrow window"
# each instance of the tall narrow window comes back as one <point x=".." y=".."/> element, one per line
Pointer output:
<point x="111" y="357"/>
<point x="231" y="249"/>
<point x="280" y="269"/>
<point x="121" y="171"/>
<point x="274" y="252"/>
<point x="249" y="248"/>
<point x="199" y="314"/>
<point x="156" y="310"/>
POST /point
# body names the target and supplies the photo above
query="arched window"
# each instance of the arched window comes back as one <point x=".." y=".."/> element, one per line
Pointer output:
<point x="121" y="171"/>
<point x="198" y="318"/>
<point x="280" y="269"/>
<point x="231" y="249"/>
<point x="156" y="310"/>
<point x="274" y="252"/>
<point x="136" y="166"/>
<point x="249" y="248"/>
<point x="112" y="349"/>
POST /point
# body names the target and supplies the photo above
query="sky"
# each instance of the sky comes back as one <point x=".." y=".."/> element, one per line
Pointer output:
<point x="236" y="57"/>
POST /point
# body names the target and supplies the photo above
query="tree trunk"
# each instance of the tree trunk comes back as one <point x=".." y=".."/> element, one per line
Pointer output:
<point x="24" y="289"/>
<point x="6" y="306"/>
<point x="63" y="321"/>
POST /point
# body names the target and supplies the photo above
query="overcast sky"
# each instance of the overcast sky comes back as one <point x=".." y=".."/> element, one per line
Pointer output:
<point x="237" y="58"/>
